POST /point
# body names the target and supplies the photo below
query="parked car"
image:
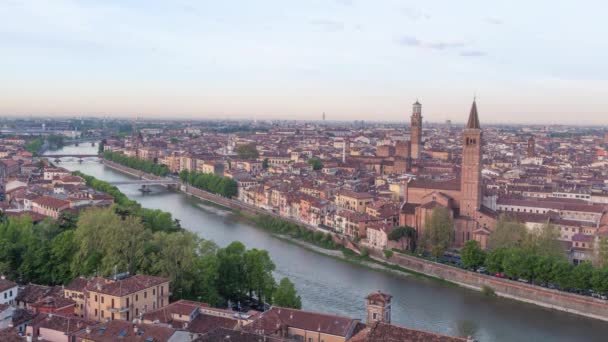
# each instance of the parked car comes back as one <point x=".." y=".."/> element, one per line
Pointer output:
<point x="499" y="275"/>
<point x="522" y="280"/>
<point x="482" y="270"/>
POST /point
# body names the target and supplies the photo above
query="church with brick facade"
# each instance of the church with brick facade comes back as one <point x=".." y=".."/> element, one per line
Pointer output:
<point x="462" y="196"/>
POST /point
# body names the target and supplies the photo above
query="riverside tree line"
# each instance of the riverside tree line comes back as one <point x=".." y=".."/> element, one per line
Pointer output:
<point x="210" y="182"/>
<point x="136" y="163"/>
<point x="137" y="240"/>
<point x="536" y="256"/>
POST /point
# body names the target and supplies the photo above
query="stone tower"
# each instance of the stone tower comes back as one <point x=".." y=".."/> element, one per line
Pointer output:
<point x="470" y="182"/>
<point x="378" y="308"/>
<point x="416" y="130"/>
<point x="531" y="147"/>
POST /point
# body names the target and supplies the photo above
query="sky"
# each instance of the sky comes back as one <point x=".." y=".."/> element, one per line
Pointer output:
<point x="525" y="61"/>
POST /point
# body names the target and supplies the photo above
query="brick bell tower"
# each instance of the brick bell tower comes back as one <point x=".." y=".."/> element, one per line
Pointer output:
<point x="378" y="308"/>
<point x="416" y="130"/>
<point x="470" y="182"/>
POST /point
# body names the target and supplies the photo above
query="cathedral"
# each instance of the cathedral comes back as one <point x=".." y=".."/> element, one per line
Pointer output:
<point x="462" y="196"/>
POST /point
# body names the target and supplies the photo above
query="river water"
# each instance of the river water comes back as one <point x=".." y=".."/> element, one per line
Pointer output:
<point x="335" y="286"/>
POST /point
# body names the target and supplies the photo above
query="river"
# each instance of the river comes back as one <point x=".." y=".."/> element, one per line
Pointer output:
<point x="335" y="286"/>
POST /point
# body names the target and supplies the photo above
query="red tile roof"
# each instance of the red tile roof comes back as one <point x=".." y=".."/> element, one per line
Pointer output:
<point x="391" y="333"/>
<point x="6" y="284"/>
<point x="128" y="285"/>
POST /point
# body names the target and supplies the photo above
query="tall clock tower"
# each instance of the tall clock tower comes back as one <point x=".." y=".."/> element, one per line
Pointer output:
<point x="416" y="130"/>
<point x="470" y="182"/>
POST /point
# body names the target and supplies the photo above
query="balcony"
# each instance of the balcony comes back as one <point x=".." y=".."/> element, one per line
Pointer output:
<point x="120" y="310"/>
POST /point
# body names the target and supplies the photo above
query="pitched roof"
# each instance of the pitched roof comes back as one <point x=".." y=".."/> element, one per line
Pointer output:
<point x="277" y="317"/>
<point x="6" y="284"/>
<point x="391" y="333"/>
<point x="223" y="334"/>
<point x="118" y="330"/>
<point x="128" y="285"/>
<point x="473" y="122"/>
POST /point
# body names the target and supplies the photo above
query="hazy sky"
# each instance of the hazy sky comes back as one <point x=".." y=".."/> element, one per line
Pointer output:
<point x="527" y="61"/>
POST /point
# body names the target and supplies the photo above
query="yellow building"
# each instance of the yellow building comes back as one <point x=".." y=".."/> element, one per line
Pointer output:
<point x="356" y="201"/>
<point x="124" y="298"/>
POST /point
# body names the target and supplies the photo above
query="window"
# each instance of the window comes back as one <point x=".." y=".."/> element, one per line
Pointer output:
<point x="95" y="312"/>
<point x="374" y="315"/>
<point x="154" y="292"/>
<point x="4" y="295"/>
<point x="95" y="297"/>
<point x="102" y="313"/>
<point x="145" y="294"/>
<point x="101" y="299"/>
<point x="136" y="298"/>
<point x="112" y="303"/>
<point x="127" y="301"/>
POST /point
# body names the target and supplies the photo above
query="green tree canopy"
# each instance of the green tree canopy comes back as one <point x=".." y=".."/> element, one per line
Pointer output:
<point x="286" y="295"/>
<point x="472" y="256"/>
<point x="438" y="232"/>
<point x="316" y="163"/>
<point x="248" y="151"/>
<point x="508" y="233"/>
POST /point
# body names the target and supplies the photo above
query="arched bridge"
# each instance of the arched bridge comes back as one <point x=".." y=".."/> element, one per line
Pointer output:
<point x="57" y="156"/>
<point x="147" y="182"/>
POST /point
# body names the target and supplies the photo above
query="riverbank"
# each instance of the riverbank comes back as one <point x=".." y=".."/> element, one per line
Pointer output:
<point x="562" y="301"/>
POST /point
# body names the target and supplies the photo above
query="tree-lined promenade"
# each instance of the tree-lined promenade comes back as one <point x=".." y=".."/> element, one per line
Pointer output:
<point x="136" y="163"/>
<point x="210" y="182"/>
<point x="130" y="238"/>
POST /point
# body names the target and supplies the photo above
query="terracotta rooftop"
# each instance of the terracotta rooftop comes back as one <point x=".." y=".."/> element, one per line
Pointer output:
<point x="6" y="284"/>
<point x="223" y="334"/>
<point x="118" y="330"/>
<point x="51" y="202"/>
<point x="128" y="285"/>
<point x="391" y="333"/>
<point x="277" y="317"/>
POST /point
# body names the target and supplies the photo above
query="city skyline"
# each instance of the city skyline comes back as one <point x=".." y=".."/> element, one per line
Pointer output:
<point x="354" y="60"/>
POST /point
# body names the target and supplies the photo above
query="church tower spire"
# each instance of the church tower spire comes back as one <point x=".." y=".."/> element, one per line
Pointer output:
<point x="416" y="130"/>
<point x="470" y="181"/>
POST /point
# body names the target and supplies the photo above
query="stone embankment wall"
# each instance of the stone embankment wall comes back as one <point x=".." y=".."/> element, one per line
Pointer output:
<point x="563" y="301"/>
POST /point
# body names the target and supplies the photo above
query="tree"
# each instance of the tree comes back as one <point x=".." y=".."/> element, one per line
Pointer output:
<point x="265" y="163"/>
<point x="581" y="276"/>
<point x="602" y="252"/>
<point x="90" y="234"/>
<point x="286" y="295"/>
<point x="599" y="280"/>
<point x="507" y="234"/>
<point x="231" y="271"/>
<point x="315" y="163"/>
<point x="175" y="258"/>
<point x="405" y="234"/>
<point x="101" y="146"/>
<point x="543" y="241"/>
<point x="517" y="263"/>
<point x="438" y="230"/>
<point x="562" y="274"/>
<point x="472" y="256"/>
<point x="494" y="260"/>
<point x="123" y="246"/>
<point x="543" y="268"/>
<point x="248" y="151"/>
<point x="258" y="268"/>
